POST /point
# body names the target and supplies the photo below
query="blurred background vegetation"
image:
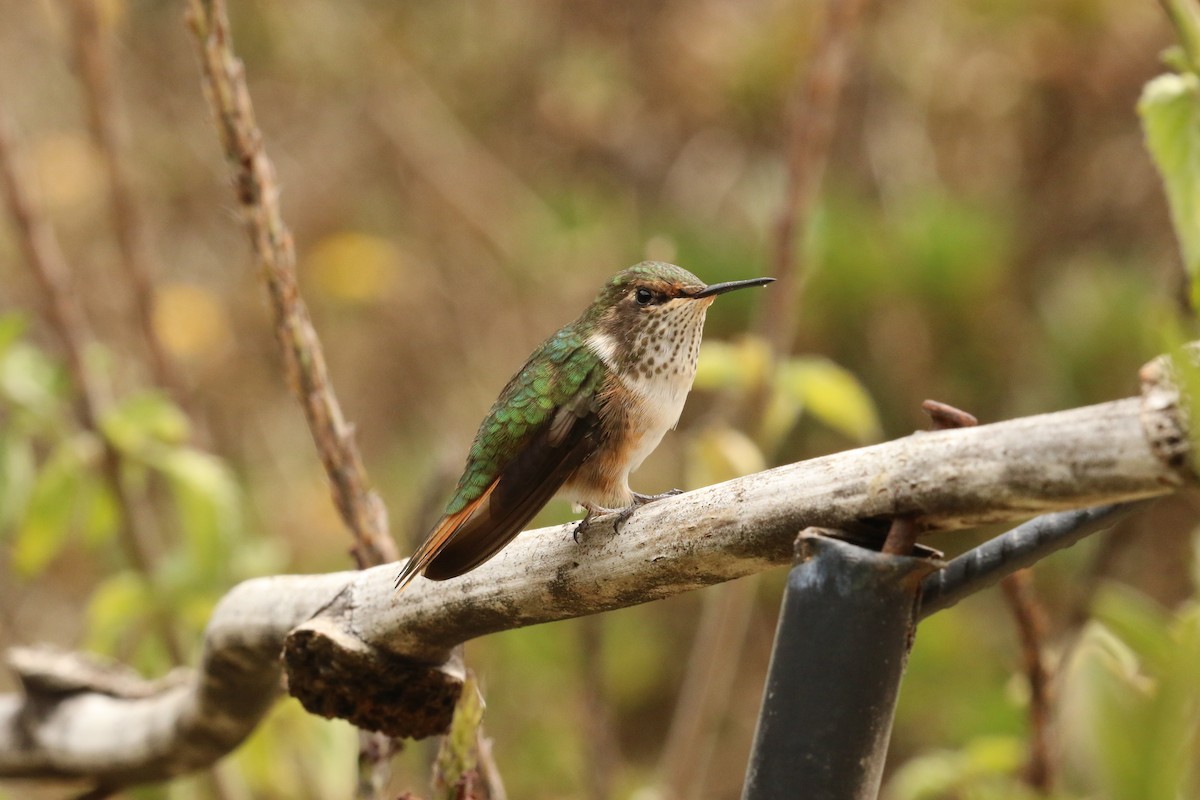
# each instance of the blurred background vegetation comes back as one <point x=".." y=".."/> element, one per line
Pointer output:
<point x="460" y="178"/>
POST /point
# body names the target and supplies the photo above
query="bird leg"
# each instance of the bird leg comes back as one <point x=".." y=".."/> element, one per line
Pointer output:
<point x="623" y="514"/>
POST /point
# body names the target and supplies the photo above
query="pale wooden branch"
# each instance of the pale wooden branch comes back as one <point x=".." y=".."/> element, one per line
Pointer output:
<point x="352" y="648"/>
<point x="80" y="719"/>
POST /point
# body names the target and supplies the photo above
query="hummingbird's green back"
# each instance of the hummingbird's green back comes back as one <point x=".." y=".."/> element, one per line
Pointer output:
<point x="561" y="369"/>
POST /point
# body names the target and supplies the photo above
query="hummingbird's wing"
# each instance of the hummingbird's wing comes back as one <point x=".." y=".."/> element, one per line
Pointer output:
<point x="525" y="450"/>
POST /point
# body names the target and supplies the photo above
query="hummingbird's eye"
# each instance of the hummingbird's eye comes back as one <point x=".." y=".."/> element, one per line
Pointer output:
<point x="643" y="296"/>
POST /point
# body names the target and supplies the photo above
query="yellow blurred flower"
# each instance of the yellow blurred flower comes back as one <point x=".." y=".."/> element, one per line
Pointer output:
<point x="190" y="321"/>
<point x="69" y="170"/>
<point x="111" y="12"/>
<point x="354" y="267"/>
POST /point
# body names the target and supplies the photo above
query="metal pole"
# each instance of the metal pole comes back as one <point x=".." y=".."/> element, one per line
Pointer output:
<point x="1021" y="547"/>
<point x="848" y="618"/>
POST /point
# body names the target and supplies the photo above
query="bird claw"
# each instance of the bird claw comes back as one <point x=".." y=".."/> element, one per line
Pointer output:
<point x="622" y="514"/>
<point x="592" y="513"/>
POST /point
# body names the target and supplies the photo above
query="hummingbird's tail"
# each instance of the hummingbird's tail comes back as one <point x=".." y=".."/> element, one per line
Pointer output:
<point x="438" y="538"/>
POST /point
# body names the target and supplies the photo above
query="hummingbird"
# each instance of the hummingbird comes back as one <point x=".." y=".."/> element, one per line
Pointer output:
<point x="584" y="411"/>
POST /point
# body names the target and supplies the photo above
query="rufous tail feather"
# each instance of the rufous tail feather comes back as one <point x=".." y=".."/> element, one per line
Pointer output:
<point x="437" y="540"/>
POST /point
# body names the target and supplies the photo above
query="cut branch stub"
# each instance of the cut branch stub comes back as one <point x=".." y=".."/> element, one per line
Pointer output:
<point x="334" y="674"/>
<point x="1164" y="410"/>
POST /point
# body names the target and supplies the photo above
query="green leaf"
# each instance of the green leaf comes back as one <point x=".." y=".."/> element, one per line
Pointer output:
<point x="1186" y="18"/>
<point x="832" y="394"/>
<point x="986" y="767"/>
<point x="719" y="454"/>
<point x="457" y="754"/>
<point x="1170" y="112"/>
<point x="12" y="326"/>
<point x="120" y="605"/>
<point x="781" y="414"/>
<point x="1139" y="622"/>
<point x="29" y="379"/>
<point x="143" y="420"/>
<point x="1105" y="697"/>
<point x="208" y="504"/>
<point x="1109" y="691"/>
<point x="725" y="365"/>
<point x="50" y="514"/>
<point x="17" y="473"/>
<point x="101" y="516"/>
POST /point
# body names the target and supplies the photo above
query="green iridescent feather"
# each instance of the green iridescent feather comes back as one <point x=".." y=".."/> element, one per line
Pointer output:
<point x="556" y="372"/>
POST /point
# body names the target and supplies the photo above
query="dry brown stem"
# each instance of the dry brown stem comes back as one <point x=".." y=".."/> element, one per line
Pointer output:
<point x="813" y="111"/>
<point x="94" y="66"/>
<point x="708" y="684"/>
<point x="303" y="358"/>
<point x="597" y="724"/>
<point x="1030" y="620"/>
<point x="902" y="537"/>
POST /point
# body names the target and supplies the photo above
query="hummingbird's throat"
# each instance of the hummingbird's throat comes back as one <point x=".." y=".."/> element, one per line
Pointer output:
<point x="660" y="346"/>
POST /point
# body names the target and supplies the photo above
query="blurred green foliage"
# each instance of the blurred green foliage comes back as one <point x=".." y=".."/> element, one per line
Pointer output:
<point x="56" y="500"/>
<point x="1170" y="112"/>
<point x="1134" y="671"/>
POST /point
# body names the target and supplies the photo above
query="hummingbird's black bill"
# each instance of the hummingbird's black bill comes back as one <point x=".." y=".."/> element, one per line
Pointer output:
<point x="722" y="288"/>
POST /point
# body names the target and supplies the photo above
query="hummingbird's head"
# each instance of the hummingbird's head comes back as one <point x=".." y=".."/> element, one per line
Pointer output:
<point x="652" y="314"/>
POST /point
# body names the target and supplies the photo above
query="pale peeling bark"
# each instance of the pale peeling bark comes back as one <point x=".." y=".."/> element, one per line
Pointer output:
<point x="355" y="650"/>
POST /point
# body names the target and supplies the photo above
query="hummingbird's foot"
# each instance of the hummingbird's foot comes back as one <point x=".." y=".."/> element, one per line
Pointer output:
<point x="622" y="514"/>
<point x="640" y="500"/>
<point x="593" y="511"/>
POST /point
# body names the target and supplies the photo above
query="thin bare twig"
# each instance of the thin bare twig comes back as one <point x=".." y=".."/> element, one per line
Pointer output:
<point x="304" y="360"/>
<point x="1030" y="620"/>
<point x="95" y="72"/>
<point x="65" y="316"/>
<point x="426" y="136"/>
<point x="488" y="770"/>
<point x="814" y="108"/>
<point x="375" y="753"/>
<point x="901" y="537"/>
<point x="943" y="416"/>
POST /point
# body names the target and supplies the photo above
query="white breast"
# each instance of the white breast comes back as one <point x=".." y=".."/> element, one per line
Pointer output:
<point x="660" y="402"/>
<point x="659" y="383"/>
